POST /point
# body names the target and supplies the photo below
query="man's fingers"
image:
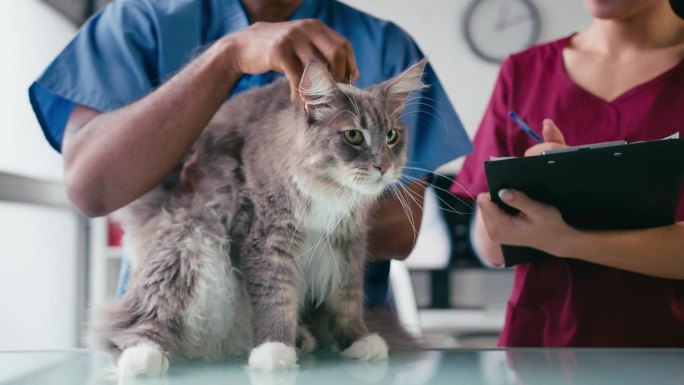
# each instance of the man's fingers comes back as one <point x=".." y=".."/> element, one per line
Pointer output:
<point x="338" y="52"/>
<point x="289" y="47"/>
<point x="329" y="43"/>
<point x="308" y="53"/>
<point x="293" y="68"/>
<point x="352" y="69"/>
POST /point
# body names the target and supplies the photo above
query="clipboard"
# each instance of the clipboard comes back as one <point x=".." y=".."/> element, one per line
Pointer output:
<point x="617" y="187"/>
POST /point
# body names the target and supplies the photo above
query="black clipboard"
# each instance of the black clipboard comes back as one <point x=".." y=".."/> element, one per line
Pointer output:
<point x="629" y="186"/>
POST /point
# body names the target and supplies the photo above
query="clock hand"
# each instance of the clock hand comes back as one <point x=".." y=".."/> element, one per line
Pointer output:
<point x="502" y="16"/>
<point x="512" y="21"/>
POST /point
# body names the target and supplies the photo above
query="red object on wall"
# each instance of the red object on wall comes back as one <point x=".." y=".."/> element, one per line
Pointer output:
<point x="114" y="233"/>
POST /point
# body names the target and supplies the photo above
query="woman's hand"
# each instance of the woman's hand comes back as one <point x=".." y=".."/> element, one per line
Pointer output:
<point x="553" y="138"/>
<point x="494" y="226"/>
<point x="537" y="224"/>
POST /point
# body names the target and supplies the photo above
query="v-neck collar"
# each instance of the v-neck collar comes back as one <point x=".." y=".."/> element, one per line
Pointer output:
<point x="238" y="16"/>
<point x="563" y="43"/>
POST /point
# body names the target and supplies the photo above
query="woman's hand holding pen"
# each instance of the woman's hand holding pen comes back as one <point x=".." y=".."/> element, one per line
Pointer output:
<point x="553" y="138"/>
<point x="537" y="224"/>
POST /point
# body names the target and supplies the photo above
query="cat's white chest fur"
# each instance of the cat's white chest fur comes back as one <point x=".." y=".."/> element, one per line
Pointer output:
<point x="320" y="263"/>
<point x="325" y="215"/>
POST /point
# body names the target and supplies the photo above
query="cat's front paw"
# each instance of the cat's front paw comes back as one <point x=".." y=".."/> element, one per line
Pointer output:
<point x="144" y="359"/>
<point x="370" y="347"/>
<point x="273" y="356"/>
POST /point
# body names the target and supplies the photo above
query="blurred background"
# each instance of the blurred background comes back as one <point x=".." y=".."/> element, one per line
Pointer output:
<point x="55" y="264"/>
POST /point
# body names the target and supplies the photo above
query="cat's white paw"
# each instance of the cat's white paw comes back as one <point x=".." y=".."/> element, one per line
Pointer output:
<point x="144" y="359"/>
<point x="370" y="347"/>
<point x="273" y="356"/>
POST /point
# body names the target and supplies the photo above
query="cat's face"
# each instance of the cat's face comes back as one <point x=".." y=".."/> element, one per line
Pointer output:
<point x="355" y="135"/>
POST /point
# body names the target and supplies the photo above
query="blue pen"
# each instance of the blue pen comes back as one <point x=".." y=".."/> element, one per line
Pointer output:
<point x="528" y="130"/>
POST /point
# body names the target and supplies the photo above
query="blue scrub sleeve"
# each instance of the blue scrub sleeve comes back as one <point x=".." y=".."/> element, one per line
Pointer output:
<point x="111" y="62"/>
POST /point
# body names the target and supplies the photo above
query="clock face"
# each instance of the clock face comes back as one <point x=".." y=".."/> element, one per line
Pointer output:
<point x="495" y="29"/>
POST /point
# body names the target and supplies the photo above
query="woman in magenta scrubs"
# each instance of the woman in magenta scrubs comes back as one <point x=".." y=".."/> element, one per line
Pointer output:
<point x="620" y="79"/>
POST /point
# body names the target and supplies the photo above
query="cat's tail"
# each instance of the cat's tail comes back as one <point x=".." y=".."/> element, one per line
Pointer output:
<point x="385" y="322"/>
<point x="183" y="289"/>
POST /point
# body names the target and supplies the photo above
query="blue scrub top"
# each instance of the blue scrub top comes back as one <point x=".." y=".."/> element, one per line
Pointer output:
<point x="132" y="46"/>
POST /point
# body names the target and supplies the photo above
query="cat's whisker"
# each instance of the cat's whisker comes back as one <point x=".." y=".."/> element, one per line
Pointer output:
<point x="438" y="174"/>
<point x="325" y="235"/>
<point x="334" y="257"/>
<point x="407" y="211"/>
<point x="412" y="101"/>
<point x="299" y="221"/>
<point x="356" y="105"/>
<point x="418" y="114"/>
<point x="416" y="197"/>
<point x="444" y="202"/>
<point x="413" y="98"/>
<point x="353" y="102"/>
<point x="343" y="111"/>
<point x="329" y="229"/>
<point x="401" y="107"/>
<point x="312" y="250"/>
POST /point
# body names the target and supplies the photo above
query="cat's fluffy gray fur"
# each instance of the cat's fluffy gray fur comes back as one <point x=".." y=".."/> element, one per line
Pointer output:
<point x="267" y="216"/>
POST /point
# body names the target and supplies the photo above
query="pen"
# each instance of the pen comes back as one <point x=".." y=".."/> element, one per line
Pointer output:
<point x="528" y="130"/>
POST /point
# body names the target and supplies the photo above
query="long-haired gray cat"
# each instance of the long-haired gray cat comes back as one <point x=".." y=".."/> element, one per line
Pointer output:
<point x="268" y="216"/>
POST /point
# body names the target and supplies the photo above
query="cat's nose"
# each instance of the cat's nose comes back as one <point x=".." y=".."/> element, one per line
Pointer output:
<point x="381" y="167"/>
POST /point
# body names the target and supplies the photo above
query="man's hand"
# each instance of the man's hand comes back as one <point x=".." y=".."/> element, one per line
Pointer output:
<point x="288" y="46"/>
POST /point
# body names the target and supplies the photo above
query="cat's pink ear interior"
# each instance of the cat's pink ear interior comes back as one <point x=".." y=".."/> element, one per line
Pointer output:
<point x="398" y="89"/>
<point x="317" y="90"/>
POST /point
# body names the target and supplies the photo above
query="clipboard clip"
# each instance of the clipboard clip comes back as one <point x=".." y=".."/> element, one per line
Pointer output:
<point x="584" y="147"/>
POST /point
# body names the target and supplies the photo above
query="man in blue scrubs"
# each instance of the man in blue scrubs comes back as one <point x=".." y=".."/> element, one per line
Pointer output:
<point x="132" y="91"/>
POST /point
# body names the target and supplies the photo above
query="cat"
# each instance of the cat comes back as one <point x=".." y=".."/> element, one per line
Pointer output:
<point x="266" y="217"/>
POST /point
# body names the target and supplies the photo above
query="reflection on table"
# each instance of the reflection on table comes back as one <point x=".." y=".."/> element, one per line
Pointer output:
<point x="471" y="367"/>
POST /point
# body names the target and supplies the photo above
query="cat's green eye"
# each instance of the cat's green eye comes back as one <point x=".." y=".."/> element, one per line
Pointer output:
<point x="353" y="137"/>
<point x="392" y="136"/>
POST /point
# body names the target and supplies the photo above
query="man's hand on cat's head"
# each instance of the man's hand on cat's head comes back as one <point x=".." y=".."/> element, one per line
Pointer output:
<point x="288" y="46"/>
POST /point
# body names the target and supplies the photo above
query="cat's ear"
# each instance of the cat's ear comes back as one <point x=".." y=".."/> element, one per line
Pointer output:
<point x="398" y="89"/>
<point x="317" y="91"/>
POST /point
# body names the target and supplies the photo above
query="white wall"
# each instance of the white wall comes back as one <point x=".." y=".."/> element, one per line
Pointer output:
<point x="38" y="283"/>
<point x="31" y="34"/>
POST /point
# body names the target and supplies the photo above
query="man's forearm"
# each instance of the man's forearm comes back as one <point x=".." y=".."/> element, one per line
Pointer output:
<point x="117" y="156"/>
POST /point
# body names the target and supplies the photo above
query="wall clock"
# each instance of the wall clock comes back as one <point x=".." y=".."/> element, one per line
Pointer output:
<point x="494" y="29"/>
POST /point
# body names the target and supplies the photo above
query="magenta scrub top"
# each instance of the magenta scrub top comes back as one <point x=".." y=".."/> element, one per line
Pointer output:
<point x="567" y="302"/>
